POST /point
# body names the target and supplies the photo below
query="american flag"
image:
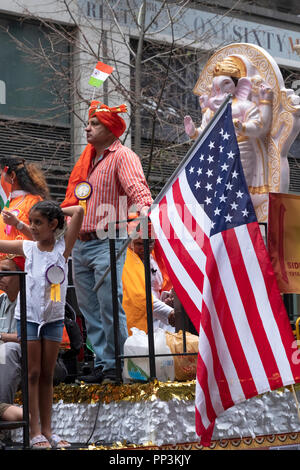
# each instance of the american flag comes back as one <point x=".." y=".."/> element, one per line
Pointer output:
<point x="208" y="234"/>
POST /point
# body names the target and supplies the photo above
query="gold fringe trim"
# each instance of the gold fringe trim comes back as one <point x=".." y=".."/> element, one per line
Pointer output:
<point x="83" y="393"/>
<point x="165" y="391"/>
<point x="243" y="443"/>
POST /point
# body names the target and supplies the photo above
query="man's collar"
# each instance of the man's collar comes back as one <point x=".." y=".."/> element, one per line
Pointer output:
<point x="114" y="146"/>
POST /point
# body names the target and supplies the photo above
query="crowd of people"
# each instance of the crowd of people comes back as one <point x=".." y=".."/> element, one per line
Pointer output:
<point x="38" y="235"/>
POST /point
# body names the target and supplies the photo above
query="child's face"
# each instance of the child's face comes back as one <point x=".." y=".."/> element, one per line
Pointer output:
<point x="40" y="226"/>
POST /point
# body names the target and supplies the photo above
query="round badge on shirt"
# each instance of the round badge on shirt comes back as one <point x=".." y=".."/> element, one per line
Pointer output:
<point x="83" y="190"/>
<point x="55" y="276"/>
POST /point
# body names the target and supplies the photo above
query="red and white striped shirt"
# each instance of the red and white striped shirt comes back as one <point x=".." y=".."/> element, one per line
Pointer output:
<point x="118" y="183"/>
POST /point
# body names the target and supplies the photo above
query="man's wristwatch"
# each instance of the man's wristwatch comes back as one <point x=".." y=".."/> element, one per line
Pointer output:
<point x="19" y="225"/>
<point x="0" y="337"/>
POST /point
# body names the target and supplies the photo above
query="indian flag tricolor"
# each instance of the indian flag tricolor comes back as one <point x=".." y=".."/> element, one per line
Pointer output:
<point x="100" y="74"/>
<point x="5" y="189"/>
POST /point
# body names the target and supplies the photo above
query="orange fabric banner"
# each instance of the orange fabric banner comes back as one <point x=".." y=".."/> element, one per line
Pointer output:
<point x="284" y="240"/>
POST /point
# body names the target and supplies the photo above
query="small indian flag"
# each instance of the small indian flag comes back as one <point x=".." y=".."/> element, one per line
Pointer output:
<point x="100" y="74"/>
<point x="5" y="189"/>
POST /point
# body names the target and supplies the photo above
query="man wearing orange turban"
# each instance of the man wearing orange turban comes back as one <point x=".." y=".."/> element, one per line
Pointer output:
<point x="107" y="180"/>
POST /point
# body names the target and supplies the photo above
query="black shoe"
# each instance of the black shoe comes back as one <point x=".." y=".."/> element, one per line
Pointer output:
<point x="110" y="377"/>
<point x="95" y="377"/>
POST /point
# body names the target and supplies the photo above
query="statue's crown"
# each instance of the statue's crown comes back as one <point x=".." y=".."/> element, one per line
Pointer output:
<point x="230" y="66"/>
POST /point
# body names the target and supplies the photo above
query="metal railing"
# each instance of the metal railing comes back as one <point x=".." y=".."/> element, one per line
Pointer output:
<point x="118" y="356"/>
<point x="152" y="355"/>
<point x="4" y="425"/>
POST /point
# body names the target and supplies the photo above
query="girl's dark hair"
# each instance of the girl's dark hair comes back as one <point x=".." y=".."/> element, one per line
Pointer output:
<point x="51" y="210"/>
<point x="29" y="176"/>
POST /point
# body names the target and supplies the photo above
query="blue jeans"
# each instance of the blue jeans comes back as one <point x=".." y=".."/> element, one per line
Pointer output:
<point x="90" y="260"/>
<point x="52" y="331"/>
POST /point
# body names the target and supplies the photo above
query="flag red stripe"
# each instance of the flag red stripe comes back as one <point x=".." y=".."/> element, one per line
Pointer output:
<point x="254" y="319"/>
<point x="200" y="429"/>
<point x="221" y="380"/>
<point x="277" y="305"/>
<point x="206" y="434"/>
<point x="202" y="377"/>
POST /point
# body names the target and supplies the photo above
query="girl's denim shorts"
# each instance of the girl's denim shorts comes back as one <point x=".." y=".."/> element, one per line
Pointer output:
<point x="52" y="331"/>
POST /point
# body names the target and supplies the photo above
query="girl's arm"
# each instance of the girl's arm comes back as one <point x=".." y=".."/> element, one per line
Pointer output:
<point x="12" y="246"/>
<point x="76" y="213"/>
<point x="11" y="219"/>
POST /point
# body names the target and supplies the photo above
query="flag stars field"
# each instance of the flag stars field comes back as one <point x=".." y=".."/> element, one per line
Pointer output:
<point x="219" y="175"/>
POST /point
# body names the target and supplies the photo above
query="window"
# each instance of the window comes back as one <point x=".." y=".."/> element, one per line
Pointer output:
<point x="34" y="98"/>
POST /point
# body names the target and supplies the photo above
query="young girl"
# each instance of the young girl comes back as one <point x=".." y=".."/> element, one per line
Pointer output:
<point x="46" y="283"/>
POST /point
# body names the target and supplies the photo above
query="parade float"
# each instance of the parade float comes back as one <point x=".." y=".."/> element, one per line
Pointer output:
<point x="161" y="415"/>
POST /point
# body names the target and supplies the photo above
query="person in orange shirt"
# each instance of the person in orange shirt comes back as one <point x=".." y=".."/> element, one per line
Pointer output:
<point x="28" y="186"/>
<point x="134" y="294"/>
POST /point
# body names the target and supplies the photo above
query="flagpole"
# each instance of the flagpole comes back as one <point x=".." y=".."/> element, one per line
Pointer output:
<point x="201" y="138"/>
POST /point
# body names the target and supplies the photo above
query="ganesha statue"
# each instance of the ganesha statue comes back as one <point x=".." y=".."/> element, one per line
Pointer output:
<point x="266" y="115"/>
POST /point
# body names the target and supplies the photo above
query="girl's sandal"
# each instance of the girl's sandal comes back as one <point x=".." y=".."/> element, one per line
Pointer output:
<point x="40" y="442"/>
<point x="58" y="443"/>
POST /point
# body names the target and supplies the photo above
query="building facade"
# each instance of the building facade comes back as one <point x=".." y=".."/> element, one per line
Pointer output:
<point x="49" y="49"/>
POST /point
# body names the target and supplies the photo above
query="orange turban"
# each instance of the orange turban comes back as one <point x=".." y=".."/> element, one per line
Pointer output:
<point x="109" y="116"/>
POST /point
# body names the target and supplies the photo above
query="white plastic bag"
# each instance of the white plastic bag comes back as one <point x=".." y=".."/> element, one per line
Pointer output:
<point x="138" y="368"/>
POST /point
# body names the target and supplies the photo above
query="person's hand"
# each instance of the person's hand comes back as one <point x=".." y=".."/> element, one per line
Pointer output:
<point x="189" y="127"/>
<point x="171" y="318"/>
<point x="168" y="298"/>
<point x="9" y="218"/>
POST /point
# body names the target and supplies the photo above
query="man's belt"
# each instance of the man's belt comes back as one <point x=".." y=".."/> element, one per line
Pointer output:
<point x="87" y="236"/>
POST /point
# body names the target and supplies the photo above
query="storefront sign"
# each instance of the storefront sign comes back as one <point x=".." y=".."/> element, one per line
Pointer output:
<point x="197" y="27"/>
